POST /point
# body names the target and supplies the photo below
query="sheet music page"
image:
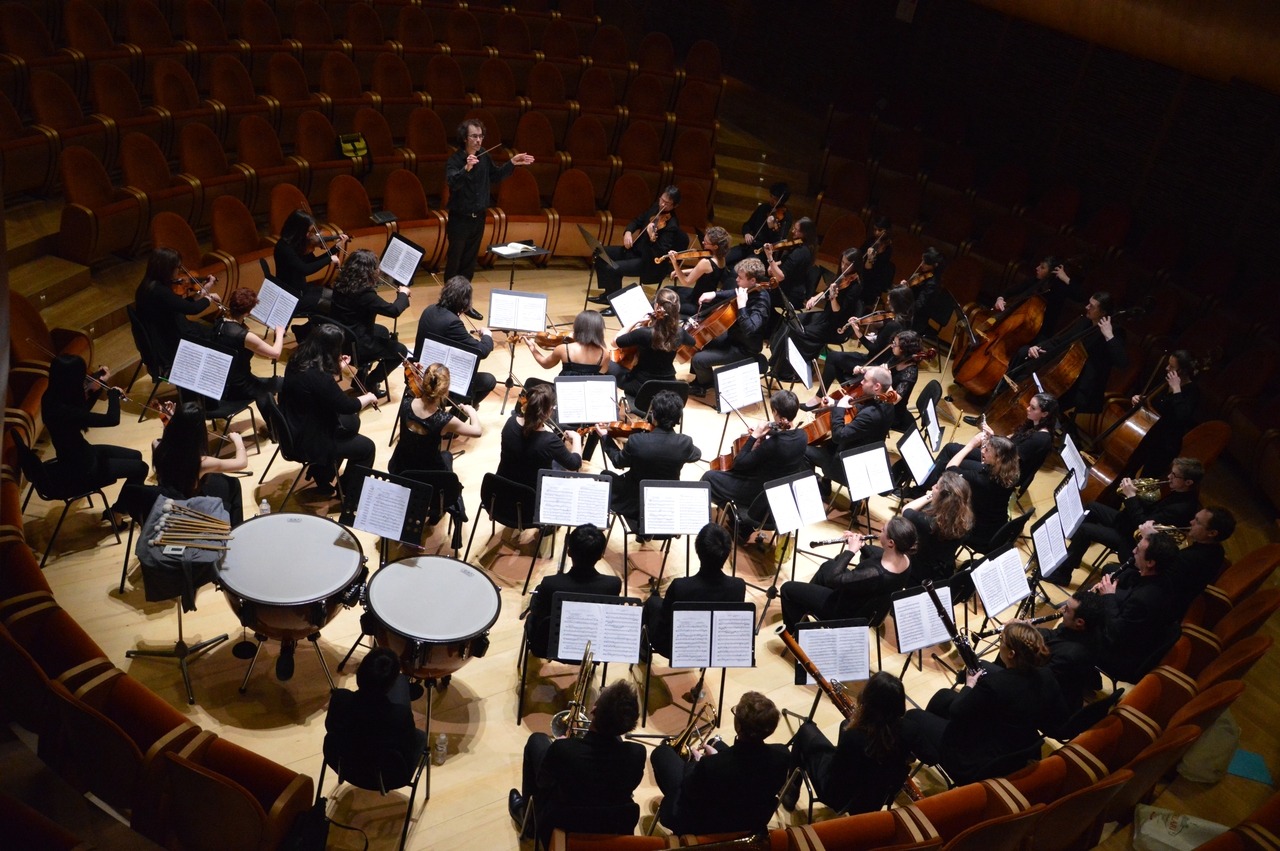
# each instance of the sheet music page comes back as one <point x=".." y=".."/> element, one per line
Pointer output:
<point x="782" y="503"/>
<point x="275" y="306"/>
<point x="917" y="623"/>
<point x="1050" y="543"/>
<point x="674" y="511"/>
<point x="802" y="367"/>
<point x="382" y="508"/>
<point x="619" y="633"/>
<point x="733" y="636"/>
<point x="808" y="501"/>
<point x="631" y="304"/>
<point x="511" y="249"/>
<point x="461" y="363"/>
<point x="579" y="623"/>
<point x="400" y="260"/>
<point x="738" y="385"/>
<point x="512" y="310"/>
<point x="822" y="647"/>
<point x="572" y="500"/>
<point x="867" y="472"/>
<point x="841" y="653"/>
<point x="1070" y="509"/>
<point x="690" y="639"/>
<point x="933" y="427"/>
<point x="913" y="450"/>
<point x="586" y="399"/>
<point x="1001" y="581"/>
<point x="1074" y="461"/>
<point x="200" y="369"/>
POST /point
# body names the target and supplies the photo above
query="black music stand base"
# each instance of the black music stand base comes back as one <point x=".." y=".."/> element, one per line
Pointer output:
<point x="182" y="652"/>
<point x="511" y="379"/>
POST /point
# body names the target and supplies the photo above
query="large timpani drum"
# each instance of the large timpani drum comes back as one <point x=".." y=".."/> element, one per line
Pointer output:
<point x="433" y="611"/>
<point x="287" y="575"/>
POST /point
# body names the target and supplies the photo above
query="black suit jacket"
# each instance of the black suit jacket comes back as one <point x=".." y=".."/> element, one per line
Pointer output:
<point x="1192" y="571"/>
<point x="576" y="581"/>
<point x="870" y="425"/>
<point x="312" y="402"/>
<point x="732" y="790"/>
<point x="360" y="312"/>
<point x="449" y="327"/>
<point x="594" y="770"/>
<point x="647" y="455"/>
<point x="360" y="719"/>
<point x="705" y="586"/>
<point x="1140" y="618"/>
<point x="1073" y="656"/>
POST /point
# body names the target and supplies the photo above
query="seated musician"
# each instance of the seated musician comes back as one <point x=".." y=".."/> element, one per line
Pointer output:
<point x="1114" y="527"/>
<point x="1142" y="618"/>
<point x="876" y="266"/>
<point x="444" y="320"/>
<point x="233" y="332"/>
<point x="769" y="222"/>
<point x="530" y="442"/>
<point x="160" y="307"/>
<point x="1075" y="647"/>
<point x="357" y="305"/>
<point x="585" y="545"/>
<point x="943" y="518"/>
<point x="772" y="450"/>
<point x="1050" y="282"/>
<point x="795" y="264"/>
<point x="184" y="468"/>
<point x="1202" y="559"/>
<point x="584" y="353"/>
<point x="378" y="715"/>
<point x="1177" y="409"/>
<point x="745" y="338"/>
<point x="931" y="301"/>
<point x="841" y="589"/>
<point x="826" y="314"/>
<point x="870" y="424"/>
<point x="869" y="761"/>
<point x="597" y="770"/>
<point x="649" y="235"/>
<point x="708" y="585"/>
<point x="425" y="419"/>
<point x="296" y="260"/>
<point x="1033" y="440"/>
<point x="725" y="788"/>
<point x="840" y="364"/>
<point x="991" y="482"/>
<point x="656" y="340"/>
<point x="705" y="275"/>
<point x="992" y="725"/>
<point x="656" y="454"/>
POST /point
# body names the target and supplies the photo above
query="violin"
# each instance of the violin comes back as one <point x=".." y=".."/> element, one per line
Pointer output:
<point x="869" y="256"/>
<point x="619" y="429"/>
<point x="690" y="254"/>
<point x="866" y="321"/>
<point x="919" y="278"/>
<point x="660" y="221"/>
<point x="779" y="214"/>
<point x="784" y="245"/>
<point x="549" y="339"/>
<point x="629" y="356"/>
<point x="853" y="391"/>
<point x="725" y="462"/>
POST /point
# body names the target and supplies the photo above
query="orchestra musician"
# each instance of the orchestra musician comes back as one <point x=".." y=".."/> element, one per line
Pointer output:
<point x="1033" y="440"/>
<point x="325" y="421"/>
<point x="425" y="419"/>
<point x="943" y="518"/>
<point x="656" y="340"/>
<point x="1075" y="647"/>
<point x="1114" y="527"/>
<point x="841" y="589"/>
<point x="233" y="333"/>
<point x="705" y="275"/>
<point x="1142" y="617"/>
<point x="1051" y="282"/>
<point x="651" y="234"/>
<point x="827" y="313"/>
<point x="357" y="305"/>
<point x="745" y="337"/>
<point x="708" y="585"/>
<point x="470" y="173"/>
<point x="990" y="484"/>
<point x="444" y="321"/>
<point x="377" y="716"/>
<point x="925" y="284"/>
<point x="724" y="788"/>
<point x="529" y="443"/>
<point x="1202" y="559"/>
<point x="840" y="365"/>
<point x="876" y="265"/>
<point x="793" y="270"/>
<point x="869" y="761"/>
<point x="584" y="353"/>
<point x="67" y="411"/>
<point x="160" y="307"/>
<point x="184" y="467"/>
<point x="296" y="259"/>
<point x="1177" y="407"/>
<point x="648" y="455"/>
<point x="585" y="545"/>
<point x="869" y="424"/>
<point x="992" y="725"/>
<point x="770" y="221"/>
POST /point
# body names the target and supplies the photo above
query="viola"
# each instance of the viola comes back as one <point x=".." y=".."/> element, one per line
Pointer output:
<point x="619" y="429"/>
<point x="919" y="278"/>
<point x="550" y="339"/>
<point x="784" y="245"/>
<point x="628" y="356"/>
<point x="691" y="254"/>
<point x="413" y="374"/>
<point x="853" y="391"/>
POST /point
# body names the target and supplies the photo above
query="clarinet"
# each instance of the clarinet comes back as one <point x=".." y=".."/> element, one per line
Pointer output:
<point x="1052" y="616"/>
<point x="963" y="647"/>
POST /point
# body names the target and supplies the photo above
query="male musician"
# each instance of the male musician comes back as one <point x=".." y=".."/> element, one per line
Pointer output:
<point x="1075" y="647"/>
<point x="1114" y="528"/>
<point x="765" y="224"/>
<point x="708" y="585"/>
<point x="585" y="544"/>
<point x="444" y="320"/>
<point x="657" y="454"/>
<point x="647" y="237"/>
<point x="925" y="285"/>
<point x="469" y="179"/>
<point x="774" y="449"/>
<point x="745" y="337"/>
<point x="1201" y="560"/>
<point x="870" y="424"/>
<point x="725" y="788"/>
<point x="1051" y="282"/>
<point x="1142" y="618"/>
<point x="597" y="770"/>
<point x="1103" y="351"/>
<point x="795" y="269"/>
<point x="377" y="715"/>
<point x="841" y="364"/>
<point x="877" y="261"/>
<point x="827" y="313"/>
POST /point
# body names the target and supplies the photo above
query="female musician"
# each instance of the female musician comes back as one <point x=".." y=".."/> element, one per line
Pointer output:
<point x="656" y="454"/>
<point x="296" y="261"/>
<point x="1103" y="351"/>
<point x="325" y="421"/>
<point x="943" y="517"/>
<point x="992" y="725"/>
<point x="585" y="354"/>
<point x="745" y="337"/>
<point x="903" y="364"/>
<point x="925" y="284"/>
<point x="357" y="305"/>
<point x="530" y="445"/>
<point x="827" y="313"/>
<point x="184" y="467"/>
<point x="424" y="420"/>
<point x="67" y="411"/>
<point x="1033" y="439"/>
<point x="877" y="265"/>
<point x="991" y="484"/>
<point x="841" y="589"/>
<point x="869" y="761"/>
<point x="233" y="331"/>
<point x="656" y="340"/>
<point x="770" y="221"/>
<point x="840" y="365"/>
<point x="161" y="309"/>
<point x="793" y="269"/>
<point x="1051" y="282"/>
<point x="705" y="276"/>
<point x="1177" y="409"/>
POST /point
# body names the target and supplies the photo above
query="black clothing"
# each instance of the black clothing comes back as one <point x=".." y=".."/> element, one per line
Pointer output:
<point x="1154" y="456"/>
<point x="91" y="463"/>
<point x="1056" y="296"/>
<point x="707" y="283"/>
<point x="905" y="375"/>
<point x="844" y="776"/>
<point x="1141" y="617"/>
<point x="990" y="502"/>
<point x="656" y="454"/>
<point x="292" y="271"/>
<point x="373" y="722"/>
<point x="1196" y="566"/>
<point x="744" y="338"/>
<point x="593" y="771"/>
<point x="760" y="461"/>
<point x="795" y="265"/>
<point x="839" y="366"/>
<point x="879" y="278"/>
<point x="651" y="364"/>
<point x="731" y="791"/>
<point x="448" y="326"/>
<point x="419" y="445"/>
<point x="469" y="197"/>
<point x="522" y="457"/>
<point x="1114" y="528"/>
<point x="638" y="259"/>
<point x="837" y="592"/>
<point x="241" y="382"/>
<point x="1073" y="658"/>
<point x="935" y="557"/>
<point x="325" y="423"/>
<point x="578" y="580"/>
<point x="1033" y="447"/>
<point x="870" y="425"/>
<point x="359" y="312"/>
<point x="705" y="586"/>
<point x="1087" y="394"/>
<point x="163" y="312"/>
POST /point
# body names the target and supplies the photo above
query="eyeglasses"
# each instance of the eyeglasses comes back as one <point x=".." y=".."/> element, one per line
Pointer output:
<point x="475" y="135"/>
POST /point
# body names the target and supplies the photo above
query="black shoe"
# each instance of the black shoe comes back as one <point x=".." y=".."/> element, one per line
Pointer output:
<point x="473" y="313"/>
<point x="791" y="794"/>
<point x="598" y="299"/>
<point x="379" y="391"/>
<point x="325" y="489"/>
<point x="284" y="664"/>
<point x="971" y="420"/>
<point x="696" y="389"/>
<point x="1060" y="577"/>
<point x="608" y="311"/>
<point x="515" y="806"/>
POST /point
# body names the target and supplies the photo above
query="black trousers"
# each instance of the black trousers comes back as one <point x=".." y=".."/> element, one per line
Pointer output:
<point x="464" y="231"/>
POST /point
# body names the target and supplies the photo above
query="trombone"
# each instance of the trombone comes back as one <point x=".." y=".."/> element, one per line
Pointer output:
<point x="574" y="722"/>
<point x="697" y="733"/>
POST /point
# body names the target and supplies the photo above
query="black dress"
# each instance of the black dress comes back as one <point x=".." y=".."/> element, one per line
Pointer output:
<point x="419" y="446"/>
<point x="92" y="463"/>
<point x="522" y="457"/>
<point x="651" y="364"/>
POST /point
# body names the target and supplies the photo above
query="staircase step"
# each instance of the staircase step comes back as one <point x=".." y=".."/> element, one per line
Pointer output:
<point x="48" y="279"/>
<point x="31" y="231"/>
<point x="95" y="310"/>
<point x="117" y="350"/>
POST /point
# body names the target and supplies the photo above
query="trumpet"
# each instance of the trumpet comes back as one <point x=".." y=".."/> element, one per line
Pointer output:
<point x="573" y="722"/>
<point x="1178" y="533"/>
<point x="697" y="733"/>
<point x="1149" y="488"/>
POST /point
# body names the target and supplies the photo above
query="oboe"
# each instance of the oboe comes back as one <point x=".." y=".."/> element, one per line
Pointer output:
<point x="963" y="647"/>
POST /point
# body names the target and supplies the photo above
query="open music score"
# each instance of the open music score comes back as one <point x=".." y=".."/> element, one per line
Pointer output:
<point x="866" y="469"/>
<point x="200" y="369"/>
<point x="515" y="250"/>
<point x="795" y="502"/>
<point x="400" y="259"/>
<point x="1066" y="498"/>
<point x="586" y="399"/>
<point x="1049" y="541"/>
<point x="571" y="499"/>
<point x="841" y="650"/>
<point x="1074" y="461"/>
<point x="674" y="508"/>
<point x="713" y="635"/>
<point x="1001" y="580"/>
<point x="382" y="508"/>
<point x="738" y="385"/>
<point x="915" y="452"/>
<point x="631" y="304"/>
<point x="934" y="430"/>
<point x="461" y="363"/>
<point x="512" y="310"/>
<point x="800" y="365"/>
<point x="275" y="305"/>
<point x="611" y="624"/>
<point x="916" y="621"/>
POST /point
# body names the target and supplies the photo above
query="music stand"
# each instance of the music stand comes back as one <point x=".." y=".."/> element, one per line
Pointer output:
<point x="864" y="661"/>
<point x="525" y="251"/>
<point x="597" y="250"/>
<point x="415" y="513"/>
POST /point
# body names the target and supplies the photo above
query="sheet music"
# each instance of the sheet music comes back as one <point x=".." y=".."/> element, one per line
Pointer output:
<point x="1071" y="511"/>
<point x="275" y="306"/>
<point x="511" y="249"/>
<point x="1001" y="581"/>
<point x="1074" y="460"/>
<point x="795" y="502"/>
<point x="512" y="310"/>
<point x="200" y="369"/>
<point x="631" y="304"/>
<point x="866" y="469"/>
<point x="691" y="639"/>
<point x="461" y="363"/>
<point x="400" y="259"/>
<point x="733" y="636"/>
<point x="571" y="499"/>
<point x="674" y="510"/>
<point x="914" y="451"/>
<point x="802" y="367"/>
<point x="738" y="385"/>
<point x="1050" y="543"/>
<point x="382" y="508"/>
<point x="612" y="628"/>
<point x="840" y="653"/>
<point x="932" y="426"/>
<point x="586" y="399"/>
<point x="917" y="623"/>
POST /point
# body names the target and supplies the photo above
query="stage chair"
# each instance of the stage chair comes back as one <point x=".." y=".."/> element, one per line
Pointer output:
<point x="282" y="434"/>
<point x="588" y="150"/>
<point x="656" y="55"/>
<point x="176" y="92"/>
<point x="258" y="148"/>
<point x="510" y="504"/>
<point x="340" y="80"/>
<point x="512" y="40"/>
<point x="466" y="42"/>
<point x="449" y="96"/>
<point x="535" y="136"/>
<point x="53" y="483"/>
<point x="698" y="107"/>
<point x="415" y="220"/>
<point x="1240" y="622"/>
<point x="146" y="171"/>
<point x="560" y="46"/>
<point x="363" y="30"/>
<point x="257" y="25"/>
<point x="573" y="203"/>
<point x="546" y="92"/>
<point x="313" y="32"/>
<point x="384" y="157"/>
<point x="26" y="46"/>
<point x="87" y="34"/>
<point x="146" y="30"/>
<point x="597" y="96"/>
<point x="1153" y="763"/>
<point x="1204" y="709"/>
<point x="415" y="40"/>
<point x="364" y="766"/>
<point x="347" y="207"/>
<point x="28" y="156"/>
<point x="847" y="192"/>
<point x="58" y="115"/>
<point x="640" y="150"/>
<point x="31" y="341"/>
<point x="203" y="26"/>
<point x="1003" y="193"/>
<point x="317" y="145"/>
<point x="693" y="160"/>
<point x="172" y="231"/>
<point x="522" y="215"/>
<point x="702" y="62"/>
<point x="630" y="198"/>
<point x="1234" y="662"/>
<point x="285" y="198"/>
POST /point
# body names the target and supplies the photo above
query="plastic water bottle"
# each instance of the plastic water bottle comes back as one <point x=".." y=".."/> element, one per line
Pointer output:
<point x="441" y="749"/>
<point x="264" y="507"/>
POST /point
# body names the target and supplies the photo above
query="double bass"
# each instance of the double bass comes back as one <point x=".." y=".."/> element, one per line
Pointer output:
<point x="979" y="369"/>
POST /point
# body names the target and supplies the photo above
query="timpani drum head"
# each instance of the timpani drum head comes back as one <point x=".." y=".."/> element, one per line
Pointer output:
<point x="434" y="598"/>
<point x="288" y="559"/>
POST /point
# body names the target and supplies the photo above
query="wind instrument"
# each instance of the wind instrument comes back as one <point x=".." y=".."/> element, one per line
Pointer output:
<point x="697" y="733"/>
<point x="1178" y="533"/>
<point x="573" y="721"/>
<point x="833" y="689"/>
<point x="963" y="647"/>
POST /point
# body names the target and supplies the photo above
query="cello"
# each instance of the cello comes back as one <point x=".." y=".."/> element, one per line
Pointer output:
<point x="715" y="323"/>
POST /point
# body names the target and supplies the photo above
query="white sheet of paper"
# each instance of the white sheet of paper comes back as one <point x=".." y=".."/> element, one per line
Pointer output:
<point x="512" y="249"/>
<point x="1050" y="543"/>
<point x="738" y="386"/>
<point x="461" y="363"/>
<point x="579" y="624"/>
<point x="200" y="369"/>
<point x="933" y="427"/>
<point x="400" y="260"/>
<point x="586" y="399"/>
<point x="733" y="636"/>
<point x="916" y="454"/>
<point x="1070" y="509"/>
<point x="572" y="501"/>
<point x="382" y="508"/>
<point x="1001" y="581"/>
<point x="612" y="628"/>
<point x="802" y="367"/>
<point x="512" y="310"/>
<point x="1074" y="460"/>
<point x="691" y="639"/>
<point x="275" y="306"/>
<point x="867" y="472"/>
<point x="917" y="623"/>
<point x="840" y="653"/>
<point x="674" y="510"/>
<point x="631" y="304"/>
